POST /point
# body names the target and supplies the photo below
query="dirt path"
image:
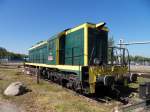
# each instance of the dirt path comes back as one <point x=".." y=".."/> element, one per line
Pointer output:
<point x="9" y="107"/>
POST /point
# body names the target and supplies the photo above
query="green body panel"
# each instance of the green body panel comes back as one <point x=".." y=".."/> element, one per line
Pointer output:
<point x="52" y="52"/>
<point x="71" y="49"/>
<point x="74" y="44"/>
<point x="39" y="55"/>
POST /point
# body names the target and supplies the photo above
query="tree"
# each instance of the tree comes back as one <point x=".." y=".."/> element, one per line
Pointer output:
<point x="3" y="52"/>
<point x="11" y="55"/>
<point x="111" y="42"/>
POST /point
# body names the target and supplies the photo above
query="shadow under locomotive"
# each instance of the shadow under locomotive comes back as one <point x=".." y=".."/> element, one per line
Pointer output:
<point x="103" y="93"/>
<point x="118" y="93"/>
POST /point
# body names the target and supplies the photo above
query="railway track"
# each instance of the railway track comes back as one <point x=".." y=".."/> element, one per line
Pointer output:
<point x="143" y="105"/>
<point x="142" y="74"/>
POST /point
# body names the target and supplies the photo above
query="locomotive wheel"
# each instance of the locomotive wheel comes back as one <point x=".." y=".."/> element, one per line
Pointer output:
<point x="78" y="87"/>
<point x="59" y="81"/>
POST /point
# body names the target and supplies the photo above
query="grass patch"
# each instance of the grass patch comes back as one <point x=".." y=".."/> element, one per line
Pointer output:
<point x="46" y="96"/>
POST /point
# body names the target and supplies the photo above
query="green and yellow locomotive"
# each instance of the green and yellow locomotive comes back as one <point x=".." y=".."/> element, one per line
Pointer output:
<point x="79" y="58"/>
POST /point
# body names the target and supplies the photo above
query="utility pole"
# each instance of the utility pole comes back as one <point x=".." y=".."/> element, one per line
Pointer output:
<point x="121" y="43"/>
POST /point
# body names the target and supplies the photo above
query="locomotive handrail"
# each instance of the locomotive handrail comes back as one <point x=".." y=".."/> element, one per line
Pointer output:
<point x="128" y="56"/>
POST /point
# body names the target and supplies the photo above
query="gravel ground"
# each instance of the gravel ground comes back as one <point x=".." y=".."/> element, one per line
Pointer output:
<point x="140" y="68"/>
<point x="9" y="107"/>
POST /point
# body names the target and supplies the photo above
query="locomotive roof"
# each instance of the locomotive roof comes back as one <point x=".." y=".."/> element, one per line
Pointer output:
<point x="76" y="27"/>
<point x="38" y="45"/>
<point x="69" y="30"/>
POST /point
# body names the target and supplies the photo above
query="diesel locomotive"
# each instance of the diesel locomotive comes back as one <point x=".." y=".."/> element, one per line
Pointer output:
<point x="80" y="58"/>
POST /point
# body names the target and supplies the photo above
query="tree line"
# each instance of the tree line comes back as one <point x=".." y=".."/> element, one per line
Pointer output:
<point x="139" y="59"/>
<point x="5" y="54"/>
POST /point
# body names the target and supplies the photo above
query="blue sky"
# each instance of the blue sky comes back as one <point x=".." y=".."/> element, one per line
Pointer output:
<point x="25" y="22"/>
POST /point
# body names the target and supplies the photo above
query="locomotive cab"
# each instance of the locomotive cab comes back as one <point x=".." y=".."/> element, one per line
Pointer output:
<point x="107" y="65"/>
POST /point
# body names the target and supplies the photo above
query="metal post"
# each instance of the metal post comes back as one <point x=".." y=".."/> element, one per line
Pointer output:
<point x="112" y="55"/>
<point x="72" y="56"/>
<point x="37" y="75"/>
<point x="24" y="67"/>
